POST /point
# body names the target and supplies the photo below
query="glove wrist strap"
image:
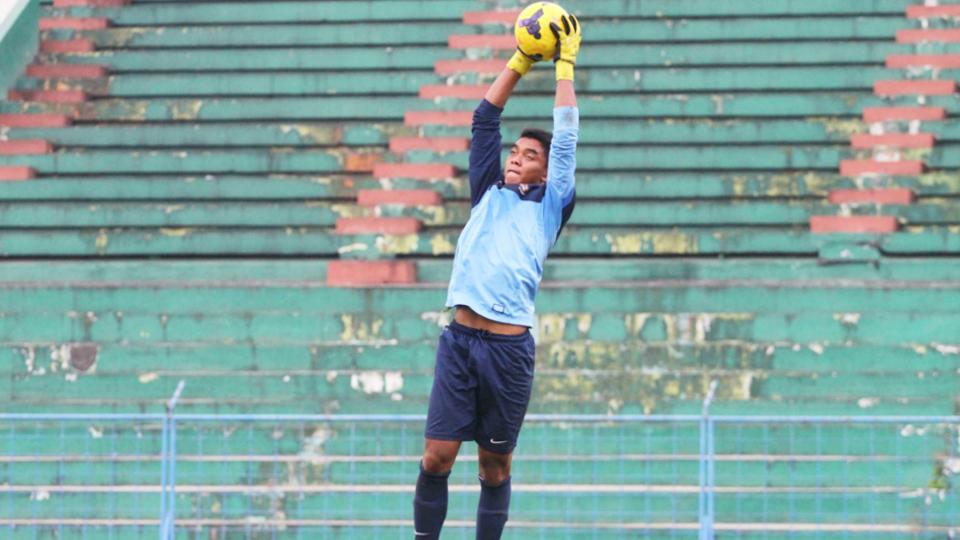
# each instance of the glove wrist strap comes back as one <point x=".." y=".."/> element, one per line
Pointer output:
<point x="520" y="63"/>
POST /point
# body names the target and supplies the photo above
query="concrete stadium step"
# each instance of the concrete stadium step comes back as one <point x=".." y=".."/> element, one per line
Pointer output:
<point x="391" y="444"/>
<point x="552" y="393"/>
<point x="669" y="54"/>
<point x="759" y="157"/>
<point x="662" y="8"/>
<point x="785" y="268"/>
<point x="693" y="131"/>
<point x="752" y="158"/>
<point x="218" y="135"/>
<point x="301" y="241"/>
<point x="747" y="158"/>
<point x="748" y="105"/>
<point x="411" y="57"/>
<point x="793" y="359"/>
<point x="654" y="131"/>
<point x="214" y="187"/>
<point x="745" y="105"/>
<point x="247" y="109"/>
<point x="923" y="385"/>
<point x="229" y="214"/>
<point x="689" y="301"/>
<point x="887" y="405"/>
<point x="131" y="390"/>
<point x="213" y="273"/>
<point x="697" y="80"/>
<point x="737" y="444"/>
<point x="190" y="13"/>
<point x="591" y="80"/>
<point x="433" y="33"/>
<point x="326" y="213"/>
<point x="860" y="328"/>
<point x="533" y="506"/>
<point x="322" y="213"/>
<point x="347" y="186"/>
<point x="336" y="186"/>
<point x="320" y="528"/>
<point x="387" y="34"/>
<point x="819" y="130"/>
<point x="748" y="27"/>
<point x="655" y="185"/>
<point x="425" y="57"/>
<point x="244" y="84"/>
<point x="141" y="13"/>
<point x="890" y="473"/>
<point x="184" y="161"/>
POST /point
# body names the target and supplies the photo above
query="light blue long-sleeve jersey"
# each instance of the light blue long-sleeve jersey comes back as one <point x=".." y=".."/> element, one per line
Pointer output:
<point x="500" y="254"/>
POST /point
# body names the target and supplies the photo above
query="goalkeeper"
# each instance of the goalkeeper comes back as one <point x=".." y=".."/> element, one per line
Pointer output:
<point x="484" y="366"/>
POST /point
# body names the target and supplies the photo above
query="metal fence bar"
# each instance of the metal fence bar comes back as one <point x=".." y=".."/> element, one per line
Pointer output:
<point x="531" y="417"/>
<point x="653" y="418"/>
<point x="164" y="481"/>
<point x="139" y="417"/>
<point x="706" y="466"/>
<point x="168" y="496"/>
<point x="711" y="477"/>
<point x="836" y="419"/>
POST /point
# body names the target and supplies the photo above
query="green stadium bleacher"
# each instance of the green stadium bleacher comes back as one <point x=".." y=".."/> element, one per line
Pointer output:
<point x="199" y="191"/>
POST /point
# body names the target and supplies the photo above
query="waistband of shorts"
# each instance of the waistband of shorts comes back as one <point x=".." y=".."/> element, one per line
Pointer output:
<point x="486" y="334"/>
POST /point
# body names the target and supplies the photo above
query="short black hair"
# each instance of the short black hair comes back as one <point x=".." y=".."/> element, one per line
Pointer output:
<point x="545" y="138"/>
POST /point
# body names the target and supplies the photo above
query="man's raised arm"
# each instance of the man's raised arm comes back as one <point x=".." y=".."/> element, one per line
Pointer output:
<point x="566" y="115"/>
<point x="485" y="146"/>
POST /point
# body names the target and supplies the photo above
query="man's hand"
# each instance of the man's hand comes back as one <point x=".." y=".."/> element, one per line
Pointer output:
<point x="521" y="63"/>
<point x="569" y="34"/>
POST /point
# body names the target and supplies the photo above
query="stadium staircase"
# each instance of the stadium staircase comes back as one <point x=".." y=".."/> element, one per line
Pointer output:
<point x="263" y="199"/>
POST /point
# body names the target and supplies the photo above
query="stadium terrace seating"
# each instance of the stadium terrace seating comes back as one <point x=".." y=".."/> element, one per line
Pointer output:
<point x="263" y="199"/>
<point x="170" y="143"/>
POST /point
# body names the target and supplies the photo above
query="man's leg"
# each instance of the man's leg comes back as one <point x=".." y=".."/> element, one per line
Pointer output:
<point x="503" y="393"/>
<point x="494" y="494"/>
<point x="430" y="501"/>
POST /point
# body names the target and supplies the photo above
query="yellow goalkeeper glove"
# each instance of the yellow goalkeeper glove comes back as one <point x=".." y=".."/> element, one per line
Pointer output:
<point x="521" y="63"/>
<point x="569" y="33"/>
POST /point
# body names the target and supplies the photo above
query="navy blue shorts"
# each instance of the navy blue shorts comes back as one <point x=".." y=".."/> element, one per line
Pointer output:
<point x="481" y="387"/>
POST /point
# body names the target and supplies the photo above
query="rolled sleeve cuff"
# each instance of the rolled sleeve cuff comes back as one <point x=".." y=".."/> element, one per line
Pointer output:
<point x="487" y="110"/>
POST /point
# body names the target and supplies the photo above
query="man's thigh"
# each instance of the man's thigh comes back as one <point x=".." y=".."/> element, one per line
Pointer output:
<point x="505" y="383"/>
<point x="452" y="412"/>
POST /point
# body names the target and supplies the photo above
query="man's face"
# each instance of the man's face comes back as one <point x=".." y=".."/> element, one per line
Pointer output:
<point x="527" y="163"/>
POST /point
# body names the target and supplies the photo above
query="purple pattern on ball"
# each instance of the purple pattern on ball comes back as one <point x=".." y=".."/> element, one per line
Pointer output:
<point x="533" y="23"/>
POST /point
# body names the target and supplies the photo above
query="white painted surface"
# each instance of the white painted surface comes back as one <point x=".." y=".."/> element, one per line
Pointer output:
<point x="9" y="12"/>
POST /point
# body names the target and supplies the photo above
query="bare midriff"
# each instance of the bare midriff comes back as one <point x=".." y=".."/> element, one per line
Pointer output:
<point x="470" y="318"/>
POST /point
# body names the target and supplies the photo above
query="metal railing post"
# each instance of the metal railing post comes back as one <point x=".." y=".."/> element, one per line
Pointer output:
<point x="163" y="478"/>
<point x="707" y="449"/>
<point x="168" y="496"/>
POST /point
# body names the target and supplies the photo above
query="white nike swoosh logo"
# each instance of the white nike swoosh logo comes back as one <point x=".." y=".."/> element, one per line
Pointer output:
<point x="497" y="442"/>
<point x="420" y="533"/>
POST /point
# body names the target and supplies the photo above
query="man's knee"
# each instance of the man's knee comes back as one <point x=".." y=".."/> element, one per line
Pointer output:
<point x="494" y="468"/>
<point x="438" y="456"/>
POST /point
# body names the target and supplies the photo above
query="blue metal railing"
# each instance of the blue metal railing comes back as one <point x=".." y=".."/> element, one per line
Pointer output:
<point x="168" y="467"/>
<point x="641" y="457"/>
<point x="707" y="466"/>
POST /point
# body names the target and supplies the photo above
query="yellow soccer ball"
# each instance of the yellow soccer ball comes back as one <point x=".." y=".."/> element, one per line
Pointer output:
<point x="534" y="37"/>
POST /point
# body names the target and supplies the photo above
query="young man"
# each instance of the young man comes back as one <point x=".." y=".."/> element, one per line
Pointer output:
<point x="484" y="368"/>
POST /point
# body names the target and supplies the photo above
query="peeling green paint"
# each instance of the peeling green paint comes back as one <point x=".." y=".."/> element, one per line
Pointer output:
<point x="841" y="126"/>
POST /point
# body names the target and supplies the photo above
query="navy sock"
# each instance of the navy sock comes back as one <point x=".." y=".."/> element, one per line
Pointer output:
<point x="430" y="504"/>
<point x="492" y="511"/>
